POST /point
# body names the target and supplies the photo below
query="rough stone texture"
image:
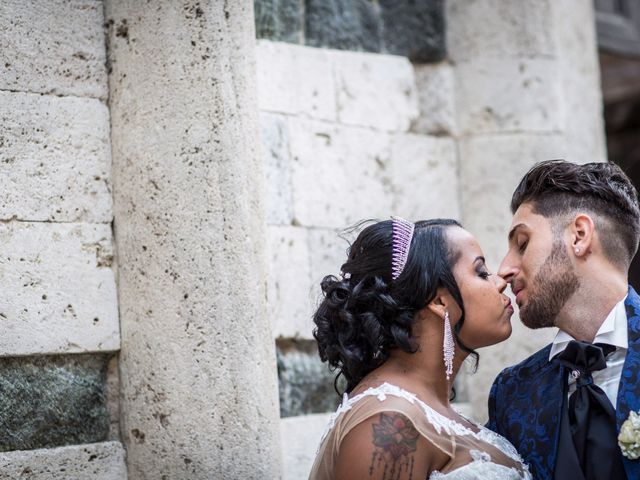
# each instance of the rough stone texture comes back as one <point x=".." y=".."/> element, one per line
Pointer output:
<point x="198" y="371"/>
<point x="55" y="157"/>
<point x="296" y="80"/>
<point x="112" y="393"/>
<point x="54" y="47"/>
<point x="63" y="298"/>
<point x="96" y="461"/>
<point x="279" y="20"/>
<point x="576" y="46"/>
<point x="424" y="173"/>
<point x="499" y="29"/>
<point x="288" y="284"/>
<point x="336" y="167"/>
<point x="436" y="98"/>
<point x="327" y="253"/>
<point x="277" y="167"/>
<point x="300" y="439"/>
<point x="305" y="383"/>
<point x="496" y="95"/>
<point x="343" y="25"/>
<point x="414" y="29"/>
<point x="377" y="91"/>
<point x="52" y="401"/>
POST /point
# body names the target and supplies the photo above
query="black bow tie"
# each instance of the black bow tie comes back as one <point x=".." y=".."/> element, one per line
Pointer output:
<point x="591" y="417"/>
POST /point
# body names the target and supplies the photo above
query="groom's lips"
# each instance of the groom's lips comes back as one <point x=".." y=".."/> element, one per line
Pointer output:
<point x="516" y="292"/>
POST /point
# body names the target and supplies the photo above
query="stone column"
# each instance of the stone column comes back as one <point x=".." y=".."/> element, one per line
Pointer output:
<point x="199" y="394"/>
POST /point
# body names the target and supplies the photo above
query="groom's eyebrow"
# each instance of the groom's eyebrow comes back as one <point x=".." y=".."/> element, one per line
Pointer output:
<point x="513" y="230"/>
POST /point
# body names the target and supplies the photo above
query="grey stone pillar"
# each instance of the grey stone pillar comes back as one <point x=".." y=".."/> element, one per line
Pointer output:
<point x="199" y="387"/>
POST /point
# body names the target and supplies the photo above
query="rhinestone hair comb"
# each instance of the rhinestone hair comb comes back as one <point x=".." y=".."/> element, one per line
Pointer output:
<point x="402" y="235"/>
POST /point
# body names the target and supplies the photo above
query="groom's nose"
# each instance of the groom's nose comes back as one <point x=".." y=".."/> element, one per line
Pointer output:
<point x="508" y="268"/>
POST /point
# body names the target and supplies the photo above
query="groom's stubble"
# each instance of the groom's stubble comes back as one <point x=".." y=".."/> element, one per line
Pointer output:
<point x="552" y="287"/>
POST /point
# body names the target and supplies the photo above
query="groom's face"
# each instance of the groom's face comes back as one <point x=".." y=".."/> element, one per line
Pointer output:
<point x="538" y="268"/>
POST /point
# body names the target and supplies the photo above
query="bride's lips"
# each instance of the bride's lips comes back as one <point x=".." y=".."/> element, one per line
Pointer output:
<point x="508" y="306"/>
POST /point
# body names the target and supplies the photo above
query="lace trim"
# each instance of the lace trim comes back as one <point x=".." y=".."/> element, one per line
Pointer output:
<point x="439" y="421"/>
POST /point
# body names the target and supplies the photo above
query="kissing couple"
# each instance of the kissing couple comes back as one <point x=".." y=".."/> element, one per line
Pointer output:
<point x="414" y="300"/>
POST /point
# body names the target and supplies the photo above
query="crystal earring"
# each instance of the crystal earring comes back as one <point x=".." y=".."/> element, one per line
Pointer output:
<point x="448" y="346"/>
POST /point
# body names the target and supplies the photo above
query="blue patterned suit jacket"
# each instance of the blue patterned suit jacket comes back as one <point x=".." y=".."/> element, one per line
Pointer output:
<point x="526" y="400"/>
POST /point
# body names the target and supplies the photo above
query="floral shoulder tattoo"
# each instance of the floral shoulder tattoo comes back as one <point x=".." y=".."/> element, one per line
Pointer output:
<point x="395" y="439"/>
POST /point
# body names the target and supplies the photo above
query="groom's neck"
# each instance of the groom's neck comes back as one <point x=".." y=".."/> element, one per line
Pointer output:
<point x="586" y="310"/>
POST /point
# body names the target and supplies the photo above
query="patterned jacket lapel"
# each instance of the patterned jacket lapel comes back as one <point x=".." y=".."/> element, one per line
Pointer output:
<point x="530" y="396"/>
<point x="629" y="390"/>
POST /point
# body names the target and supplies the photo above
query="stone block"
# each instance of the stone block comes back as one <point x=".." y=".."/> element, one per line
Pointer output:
<point x="577" y="51"/>
<point x="56" y="159"/>
<point x="424" y="172"/>
<point x="279" y="20"/>
<point x="288" y="287"/>
<point x="436" y="98"/>
<point x="479" y="29"/>
<point x="414" y="29"/>
<point x="343" y="25"/>
<point x="377" y="91"/>
<point x="95" y="461"/>
<point x="305" y="383"/>
<point x="52" y="401"/>
<point x="300" y="440"/>
<point x="53" y="47"/>
<point x="340" y="174"/>
<point x="496" y="95"/>
<point x="63" y="295"/>
<point x="296" y="80"/>
<point x="277" y="168"/>
<point x="327" y="253"/>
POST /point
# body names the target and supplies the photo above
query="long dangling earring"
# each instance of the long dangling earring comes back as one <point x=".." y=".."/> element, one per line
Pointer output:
<point x="448" y="346"/>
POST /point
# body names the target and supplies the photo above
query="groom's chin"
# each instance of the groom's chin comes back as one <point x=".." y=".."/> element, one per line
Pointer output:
<point x="534" y="321"/>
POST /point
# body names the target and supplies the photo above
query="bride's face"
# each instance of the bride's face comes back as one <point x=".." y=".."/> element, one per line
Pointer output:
<point x="487" y="310"/>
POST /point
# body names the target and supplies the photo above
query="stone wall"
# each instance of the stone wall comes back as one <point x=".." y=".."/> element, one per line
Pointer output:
<point x="59" y="310"/>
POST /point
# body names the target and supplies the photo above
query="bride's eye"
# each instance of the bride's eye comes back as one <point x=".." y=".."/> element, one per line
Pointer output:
<point x="484" y="274"/>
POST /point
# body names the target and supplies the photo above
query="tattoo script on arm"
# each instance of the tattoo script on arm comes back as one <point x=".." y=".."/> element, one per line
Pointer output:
<point x="395" y="440"/>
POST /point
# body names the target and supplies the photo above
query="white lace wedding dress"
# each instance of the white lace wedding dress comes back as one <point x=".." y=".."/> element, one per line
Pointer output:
<point x="474" y="453"/>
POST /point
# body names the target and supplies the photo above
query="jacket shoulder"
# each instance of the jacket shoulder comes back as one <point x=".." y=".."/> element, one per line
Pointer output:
<point x="526" y="368"/>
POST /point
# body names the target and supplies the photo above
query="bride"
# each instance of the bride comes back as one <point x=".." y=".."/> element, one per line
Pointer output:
<point x="413" y="302"/>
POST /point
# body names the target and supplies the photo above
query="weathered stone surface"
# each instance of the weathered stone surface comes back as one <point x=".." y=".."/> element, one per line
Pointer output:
<point x="279" y="20"/>
<point x="327" y="253"/>
<point x="436" y="98"/>
<point x="63" y="295"/>
<point x="335" y="168"/>
<point x="95" y="461"/>
<point x="199" y="395"/>
<point x="305" y="383"/>
<point x="55" y="157"/>
<point x="428" y="165"/>
<point x="288" y="284"/>
<point x="577" y="52"/>
<point x="296" y="80"/>
<point x="377" y="91"/>
<point x="52" y="401"/>
<point x="277" y="168"/>
<point x="53" y="46"/>
<point x="498" y="29"/>
<point x="343" y="24"/>
<point x="496" y="95"/>
<point x="414" y="29"/>
<point x="300" y="439"/>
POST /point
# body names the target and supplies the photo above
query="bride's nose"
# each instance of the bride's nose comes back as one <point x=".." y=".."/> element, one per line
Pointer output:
<point x="500" y="282"/>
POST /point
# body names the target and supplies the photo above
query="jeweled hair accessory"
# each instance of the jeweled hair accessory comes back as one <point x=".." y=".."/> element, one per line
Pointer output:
<point x="402" y="235"/>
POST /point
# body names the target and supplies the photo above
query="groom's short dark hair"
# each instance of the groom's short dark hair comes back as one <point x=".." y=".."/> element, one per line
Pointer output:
<point x="556" y="187"/>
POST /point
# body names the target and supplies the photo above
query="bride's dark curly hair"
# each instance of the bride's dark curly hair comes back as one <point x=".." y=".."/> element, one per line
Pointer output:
<point x="365" y="315"/>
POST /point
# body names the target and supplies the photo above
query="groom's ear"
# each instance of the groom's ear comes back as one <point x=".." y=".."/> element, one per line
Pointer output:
<point x="582" y="235"/>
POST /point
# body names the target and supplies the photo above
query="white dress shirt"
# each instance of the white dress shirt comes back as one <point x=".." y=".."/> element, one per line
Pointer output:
<point x="613" y="331"/>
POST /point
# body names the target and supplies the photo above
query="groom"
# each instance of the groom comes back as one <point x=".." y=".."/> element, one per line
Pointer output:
<point x="574" y="232"/>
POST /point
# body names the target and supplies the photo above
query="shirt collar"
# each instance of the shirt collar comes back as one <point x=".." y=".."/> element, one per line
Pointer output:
<point x="613" y="331"/>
